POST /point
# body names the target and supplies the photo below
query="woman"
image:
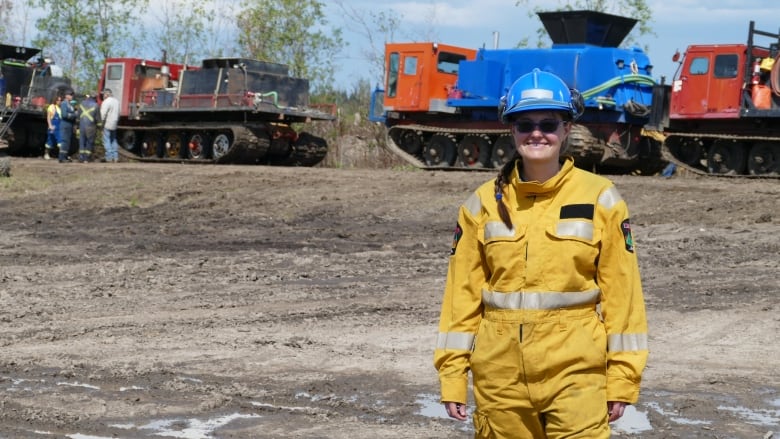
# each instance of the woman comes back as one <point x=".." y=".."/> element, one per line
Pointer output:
<point x="543" y="301"/>
<point x="53" y="117"/>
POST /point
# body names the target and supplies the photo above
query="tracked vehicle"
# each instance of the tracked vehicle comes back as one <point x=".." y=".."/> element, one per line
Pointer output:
<point x="439" y="102"/>
<point x="227" y="110"/>
<point x="723" y="114"/>
<point x="28" y="83"/>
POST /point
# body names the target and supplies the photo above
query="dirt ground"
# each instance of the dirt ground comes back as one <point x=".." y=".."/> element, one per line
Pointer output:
<point x="190" y="301"/>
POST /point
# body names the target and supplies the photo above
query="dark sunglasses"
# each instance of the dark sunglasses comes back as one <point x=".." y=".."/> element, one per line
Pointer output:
<point x="546" y="126"/>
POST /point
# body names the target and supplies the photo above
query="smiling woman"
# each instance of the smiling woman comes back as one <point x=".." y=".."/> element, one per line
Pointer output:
<point x="543" y="270"/>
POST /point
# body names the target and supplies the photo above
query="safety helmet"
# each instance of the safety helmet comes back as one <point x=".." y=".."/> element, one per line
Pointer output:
<point x="540" y="90"/>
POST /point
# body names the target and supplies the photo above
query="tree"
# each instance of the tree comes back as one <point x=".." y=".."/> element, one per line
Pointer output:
<point x="292" y="32"/>
<point x="637" y="9"/>
<point x="377" y="28"/>
<point x="6" y="7"/>
<point x="188" y="31"/>
<point x="83" y="33"/>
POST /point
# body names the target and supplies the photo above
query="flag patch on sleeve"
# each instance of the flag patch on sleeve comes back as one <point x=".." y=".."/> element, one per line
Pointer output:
<point x="625" y="226"/>
<point x="456" y="238"/>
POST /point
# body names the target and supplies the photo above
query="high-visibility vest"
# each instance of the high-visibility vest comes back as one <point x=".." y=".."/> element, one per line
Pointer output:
<point x="88" y="113"/>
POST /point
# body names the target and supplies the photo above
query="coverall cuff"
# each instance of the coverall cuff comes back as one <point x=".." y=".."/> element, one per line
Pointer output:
<point x="454" y="389"/>
<point x="622" y="389"/>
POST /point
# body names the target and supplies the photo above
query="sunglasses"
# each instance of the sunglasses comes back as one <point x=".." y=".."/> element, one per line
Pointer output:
<point x="547" y="126"/>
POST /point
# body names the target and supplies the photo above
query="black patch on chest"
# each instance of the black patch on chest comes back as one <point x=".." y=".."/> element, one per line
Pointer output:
<point x="577" y="211"/>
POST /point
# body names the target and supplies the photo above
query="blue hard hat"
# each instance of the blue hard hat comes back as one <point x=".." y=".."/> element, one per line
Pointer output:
<point x="539" y="91"/>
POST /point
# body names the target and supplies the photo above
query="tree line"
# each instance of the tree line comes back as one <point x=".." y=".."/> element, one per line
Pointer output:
<point x="81" y="34"/>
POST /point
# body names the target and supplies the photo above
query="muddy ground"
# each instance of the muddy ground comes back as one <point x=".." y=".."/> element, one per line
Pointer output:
<point x="189" y="301"/>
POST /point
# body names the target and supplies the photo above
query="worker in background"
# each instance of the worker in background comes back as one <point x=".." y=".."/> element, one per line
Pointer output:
<point x="109" y="114"/>
<point x="69" y="116"/>
<point x="543" y="301"/>
<point x="88" y="120"/>
<point x="53" y="126"/>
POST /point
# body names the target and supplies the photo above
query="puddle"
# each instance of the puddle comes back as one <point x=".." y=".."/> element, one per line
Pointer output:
<point x="430" y="406"/>
<point x="187" y="428"/>
<point x="673" y="416"/>
<point x="77" y="384"/>
<point x="85" y="436"/>
<point x="72" y="436"/>
<point x="127" y="389"/>
<point x="632" y="421"/>
<point x="770" y="418"/>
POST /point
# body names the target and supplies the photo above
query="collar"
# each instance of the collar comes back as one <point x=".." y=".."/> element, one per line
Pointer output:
<point x="534" y="187"/>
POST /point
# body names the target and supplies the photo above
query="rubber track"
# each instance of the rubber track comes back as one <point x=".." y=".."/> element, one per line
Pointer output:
<point x="667" y="154"/>
<point x="417" y="163"/>
<point x="250" y="146"/>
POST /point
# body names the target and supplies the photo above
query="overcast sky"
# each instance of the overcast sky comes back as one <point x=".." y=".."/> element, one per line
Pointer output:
<point x="469" y="23"/>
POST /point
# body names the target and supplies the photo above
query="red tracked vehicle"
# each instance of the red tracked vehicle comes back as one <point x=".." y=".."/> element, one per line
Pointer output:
<point x="724" y="107"/>
<point x="227" y="110"/>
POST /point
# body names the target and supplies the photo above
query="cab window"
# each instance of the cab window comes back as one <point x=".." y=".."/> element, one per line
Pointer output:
<point x="114" y="72"/>
<point x="449" y="62"/>
<point x="726" y="66"/>
<point x="699" y="66"/>
<point x="392" y="74"/>
<point x="410" y="65"/>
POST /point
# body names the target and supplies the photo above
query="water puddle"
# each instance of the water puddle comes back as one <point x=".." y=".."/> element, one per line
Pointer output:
<point x="191" y="428"/>
<point x="430" y="406"/>
<point x="767" y="418"/>
<point x="633" y="421"/>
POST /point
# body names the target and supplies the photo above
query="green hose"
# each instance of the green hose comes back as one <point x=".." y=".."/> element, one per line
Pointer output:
<point x="638" y="79"/>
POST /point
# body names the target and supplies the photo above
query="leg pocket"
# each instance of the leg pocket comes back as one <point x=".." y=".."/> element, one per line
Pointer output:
<point x="482" y="427"/>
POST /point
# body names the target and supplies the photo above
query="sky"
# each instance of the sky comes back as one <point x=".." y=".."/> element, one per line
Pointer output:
<point x="471" y="23"/>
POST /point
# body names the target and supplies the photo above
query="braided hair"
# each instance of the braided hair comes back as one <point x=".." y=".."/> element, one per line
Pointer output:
<point x="502" y="179"/>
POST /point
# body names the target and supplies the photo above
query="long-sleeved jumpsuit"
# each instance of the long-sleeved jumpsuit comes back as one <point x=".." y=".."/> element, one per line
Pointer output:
<point x="548" y="316"/>
<point x="53" y="117"/>
<point x="88" y="118"/>
<point x="68" y="115"/>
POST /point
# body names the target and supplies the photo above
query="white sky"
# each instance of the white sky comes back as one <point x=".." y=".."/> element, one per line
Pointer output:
<point x="470" y="23"/>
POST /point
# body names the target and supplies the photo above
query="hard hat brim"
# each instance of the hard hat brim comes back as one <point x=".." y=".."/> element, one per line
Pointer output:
<point x="537" y="105"/>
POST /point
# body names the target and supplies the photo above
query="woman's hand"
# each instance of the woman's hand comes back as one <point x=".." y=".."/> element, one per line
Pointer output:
<point x="456" y="410"/>
<point x="615" y="410"/>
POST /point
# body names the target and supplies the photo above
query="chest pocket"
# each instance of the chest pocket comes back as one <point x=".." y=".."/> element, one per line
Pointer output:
<point x="505" y="252"/>
<point x="574" y="248"/>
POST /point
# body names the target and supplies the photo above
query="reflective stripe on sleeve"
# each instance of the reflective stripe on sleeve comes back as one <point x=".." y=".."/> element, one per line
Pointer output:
<point x="455" y="340"/>
<point x="610" y="197"/>
<point x="539" y="301"/>
<point x="627" y="342"/>
<point x="497" y="229"/>
<point x="473" y="204"/>
<point x="580" y="229"/>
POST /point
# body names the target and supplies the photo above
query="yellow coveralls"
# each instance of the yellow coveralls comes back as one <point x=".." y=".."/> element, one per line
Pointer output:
<point x="549" y="316"/>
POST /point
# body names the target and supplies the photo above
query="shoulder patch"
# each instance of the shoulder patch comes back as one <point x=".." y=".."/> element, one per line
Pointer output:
<point x="456" y="238"/>
<point x="625" y="226"/>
